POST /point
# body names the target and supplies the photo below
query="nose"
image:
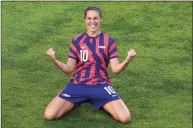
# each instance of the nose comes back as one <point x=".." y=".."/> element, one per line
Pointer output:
<point x="92" y="20"/>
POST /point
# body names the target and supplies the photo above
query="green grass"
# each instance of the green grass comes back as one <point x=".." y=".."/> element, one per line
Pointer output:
<point x="156" y="86"/>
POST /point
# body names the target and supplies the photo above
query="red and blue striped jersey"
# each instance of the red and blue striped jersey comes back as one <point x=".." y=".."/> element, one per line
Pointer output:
<point x="93" y="55"/>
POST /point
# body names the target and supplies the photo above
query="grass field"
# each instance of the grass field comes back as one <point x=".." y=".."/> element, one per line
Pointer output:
<point x="156" y="86"/>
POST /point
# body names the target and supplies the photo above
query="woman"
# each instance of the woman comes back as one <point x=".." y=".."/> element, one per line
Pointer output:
<point x="89" y="56"/>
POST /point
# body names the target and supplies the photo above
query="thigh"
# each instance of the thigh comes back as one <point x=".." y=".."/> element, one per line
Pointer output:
<point x="59" y="105"/>
<point x="57" y="108"/>
<point x="118" y="110"/>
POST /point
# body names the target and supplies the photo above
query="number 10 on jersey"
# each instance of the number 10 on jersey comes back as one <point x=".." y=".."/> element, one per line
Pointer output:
<point x="83" y="55"/>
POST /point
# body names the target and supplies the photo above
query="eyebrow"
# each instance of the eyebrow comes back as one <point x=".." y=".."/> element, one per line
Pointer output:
<point x="93" y="17"/>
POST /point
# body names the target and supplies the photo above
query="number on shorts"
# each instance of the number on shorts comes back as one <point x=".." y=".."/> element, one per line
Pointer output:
<point x="110" y="90"/>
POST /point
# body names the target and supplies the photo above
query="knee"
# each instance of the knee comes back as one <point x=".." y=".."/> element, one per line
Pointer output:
<point x="49" y="116"/>
<point x="124" y="118"/>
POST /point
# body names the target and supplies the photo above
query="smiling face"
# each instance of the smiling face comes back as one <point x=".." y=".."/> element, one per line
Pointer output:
<point x="93" y="22"/>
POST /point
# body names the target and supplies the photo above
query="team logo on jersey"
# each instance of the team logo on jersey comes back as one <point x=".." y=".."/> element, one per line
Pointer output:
<point x="103" y="47"/>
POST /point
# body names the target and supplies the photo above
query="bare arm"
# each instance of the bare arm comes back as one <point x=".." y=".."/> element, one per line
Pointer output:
<point x="118" y="67"/>
<point x="67" y="68"/>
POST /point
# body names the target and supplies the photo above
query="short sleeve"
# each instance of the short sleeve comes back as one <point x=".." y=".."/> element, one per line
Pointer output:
<point x="73" y="51"/>
<point x="113" y="53"/>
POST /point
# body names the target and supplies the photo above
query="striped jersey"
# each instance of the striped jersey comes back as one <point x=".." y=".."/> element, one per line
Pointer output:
<point x="92" y="55"/>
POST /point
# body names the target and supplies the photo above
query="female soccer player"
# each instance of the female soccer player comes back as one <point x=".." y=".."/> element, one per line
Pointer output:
<point x="89" y="56"/>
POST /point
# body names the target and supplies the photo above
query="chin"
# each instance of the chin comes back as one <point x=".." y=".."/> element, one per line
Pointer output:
<point x="93" y="30"/>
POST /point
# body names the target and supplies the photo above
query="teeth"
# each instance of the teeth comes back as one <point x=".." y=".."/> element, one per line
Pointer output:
<point x="92" y="26"/>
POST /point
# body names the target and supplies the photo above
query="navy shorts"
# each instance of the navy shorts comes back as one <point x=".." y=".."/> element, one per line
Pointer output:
<point x="96" y="95"/>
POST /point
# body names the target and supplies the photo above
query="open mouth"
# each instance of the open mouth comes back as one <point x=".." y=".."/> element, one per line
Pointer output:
<point x="92" y="26"/>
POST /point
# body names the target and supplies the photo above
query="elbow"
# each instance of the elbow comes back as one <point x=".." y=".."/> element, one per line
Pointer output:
<point x="115" y="72"/>
<point x="69" y="71"/>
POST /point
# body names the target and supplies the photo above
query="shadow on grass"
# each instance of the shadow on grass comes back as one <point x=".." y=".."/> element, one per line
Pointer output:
<point x="85" y="117"/>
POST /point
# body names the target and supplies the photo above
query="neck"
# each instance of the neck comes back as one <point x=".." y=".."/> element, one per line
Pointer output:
<point x="93" y="34"/>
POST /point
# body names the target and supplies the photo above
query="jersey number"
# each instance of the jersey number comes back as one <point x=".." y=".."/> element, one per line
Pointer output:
<point x="83" y="55"/>
<point x="110" y="90"/>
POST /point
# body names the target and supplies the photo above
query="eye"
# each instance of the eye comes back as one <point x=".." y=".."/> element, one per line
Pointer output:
<point x="95" y="18"/>
<point x="88" y="18"/>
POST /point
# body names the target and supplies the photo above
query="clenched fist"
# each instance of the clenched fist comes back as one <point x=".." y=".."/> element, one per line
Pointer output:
<point x="51" y="53"/>
<point x="131" y="54"/>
